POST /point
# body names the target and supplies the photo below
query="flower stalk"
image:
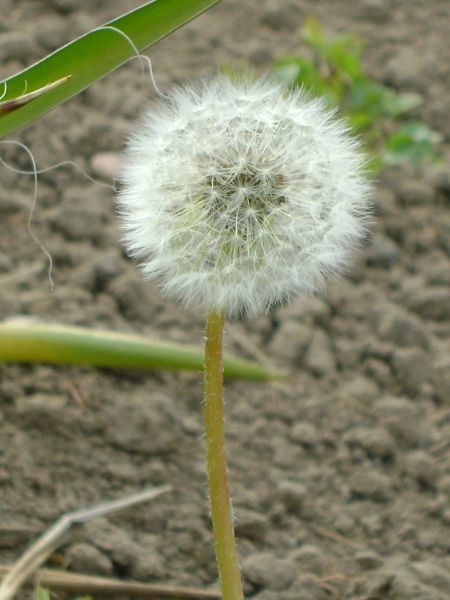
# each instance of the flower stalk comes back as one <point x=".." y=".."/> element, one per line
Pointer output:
<point x="220" y="503"/>
<point x="237" y="195"/>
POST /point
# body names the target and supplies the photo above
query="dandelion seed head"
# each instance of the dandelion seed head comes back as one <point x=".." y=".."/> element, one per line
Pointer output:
<point x="238" y="195"/>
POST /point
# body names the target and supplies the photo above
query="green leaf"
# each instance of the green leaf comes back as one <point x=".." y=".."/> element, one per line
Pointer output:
<point x="76" y="66"/>
<point x="296" y="71"/>
<point x="343" y="53"/>
<point x="43" y="594"/>
<point x="313" y="34"/>
<point x="359" y="120"/>
<point x="287" y="70"/>
<point x="369" y="97"/>
<point x="22" y="341"/>
<point x="402" y="103"/>
<point x="415" y="142"/>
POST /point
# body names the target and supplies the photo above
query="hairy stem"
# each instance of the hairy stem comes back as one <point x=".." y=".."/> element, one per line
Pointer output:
<point x="221" y="515"/>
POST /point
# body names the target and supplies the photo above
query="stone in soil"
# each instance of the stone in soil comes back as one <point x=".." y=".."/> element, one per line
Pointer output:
<point x="266" y="569"/>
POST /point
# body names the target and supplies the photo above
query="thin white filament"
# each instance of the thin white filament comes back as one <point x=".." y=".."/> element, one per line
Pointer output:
<point x="145" y="61"/>
<point x="64" y="163"/>
<point x="34" y="173"/>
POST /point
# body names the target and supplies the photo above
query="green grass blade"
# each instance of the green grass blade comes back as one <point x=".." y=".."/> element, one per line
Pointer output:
<point x="74" y="67"/>
<point x="22" y="341"/>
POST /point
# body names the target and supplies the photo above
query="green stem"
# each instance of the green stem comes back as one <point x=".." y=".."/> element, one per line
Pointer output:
<point x="221" y="515"/>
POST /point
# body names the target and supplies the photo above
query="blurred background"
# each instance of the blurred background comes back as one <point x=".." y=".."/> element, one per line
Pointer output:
<point x="341" y="478"/>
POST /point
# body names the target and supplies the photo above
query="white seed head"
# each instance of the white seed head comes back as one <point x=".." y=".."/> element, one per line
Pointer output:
<point x="238" y="195"/>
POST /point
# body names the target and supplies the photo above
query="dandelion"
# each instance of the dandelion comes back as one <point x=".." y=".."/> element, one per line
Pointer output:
<point x="237" y="195"/>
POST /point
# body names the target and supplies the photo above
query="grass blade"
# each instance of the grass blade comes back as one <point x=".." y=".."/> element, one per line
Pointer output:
<point x="22" y="341"/>
<point x="74" y="67"/>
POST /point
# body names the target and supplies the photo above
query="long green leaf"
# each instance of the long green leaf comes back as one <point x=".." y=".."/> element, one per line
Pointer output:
<point x="74" y="67"/>
<point x="22" y="341"/>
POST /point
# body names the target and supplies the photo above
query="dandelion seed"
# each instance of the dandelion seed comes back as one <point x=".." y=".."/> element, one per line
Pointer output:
<point x="238" y="195"/>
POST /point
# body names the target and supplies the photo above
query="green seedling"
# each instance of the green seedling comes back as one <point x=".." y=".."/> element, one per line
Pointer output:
<point x="378" y="113"/>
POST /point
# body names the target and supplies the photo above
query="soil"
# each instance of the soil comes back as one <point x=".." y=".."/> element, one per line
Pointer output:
<point x="341" y="478"/>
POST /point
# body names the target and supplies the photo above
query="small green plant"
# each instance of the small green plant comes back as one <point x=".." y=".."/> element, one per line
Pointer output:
<point x="373" y="110"/>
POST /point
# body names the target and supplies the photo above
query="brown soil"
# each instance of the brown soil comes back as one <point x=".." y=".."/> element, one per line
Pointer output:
<point x="340" y="480"/>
